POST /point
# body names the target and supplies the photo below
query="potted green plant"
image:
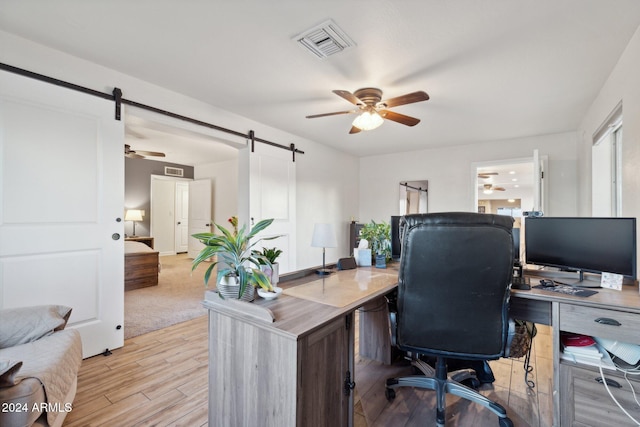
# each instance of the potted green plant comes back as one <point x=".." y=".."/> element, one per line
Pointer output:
<point x="271" y="255"/>
<point x="238" y="267"/>
<point x="378" y="234"/>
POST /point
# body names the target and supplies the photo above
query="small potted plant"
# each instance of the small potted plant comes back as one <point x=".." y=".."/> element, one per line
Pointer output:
<point x="378" y="234"/>
<point x="238" y="267"/>
<point x="271" y="255"/>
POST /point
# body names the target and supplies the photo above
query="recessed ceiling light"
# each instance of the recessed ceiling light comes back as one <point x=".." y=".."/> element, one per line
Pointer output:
<point x="512" y="172"/>
<point x="514" y="179"/>
<point x="511" y="200"/>
<point x="516" y="186"/>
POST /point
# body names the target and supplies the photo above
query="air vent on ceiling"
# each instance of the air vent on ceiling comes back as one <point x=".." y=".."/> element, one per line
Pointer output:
<point x="168" y="170"/>
<point x="325" y="39"/>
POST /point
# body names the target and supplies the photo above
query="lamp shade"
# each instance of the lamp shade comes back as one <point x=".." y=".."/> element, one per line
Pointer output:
<point x="323" y="236"/>
<point x="133" y="215"/>
<point x="368" y="120"/>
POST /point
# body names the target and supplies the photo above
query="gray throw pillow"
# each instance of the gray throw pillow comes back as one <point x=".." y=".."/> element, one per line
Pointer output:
<point x="26" y="324"/>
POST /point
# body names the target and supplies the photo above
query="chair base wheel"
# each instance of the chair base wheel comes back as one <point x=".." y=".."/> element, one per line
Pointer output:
<point x="390" y="394"/>
<point x="505" y="422"/>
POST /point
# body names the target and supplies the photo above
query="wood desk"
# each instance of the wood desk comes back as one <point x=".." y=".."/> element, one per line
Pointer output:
<point x="298" y="370"/>
<point x="293" y="371"/>
<point x="578" y="397"/>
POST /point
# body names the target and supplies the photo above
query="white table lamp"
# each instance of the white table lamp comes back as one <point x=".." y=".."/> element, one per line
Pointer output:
<point x="323" y="237"/>
<point x="133" y="215"/>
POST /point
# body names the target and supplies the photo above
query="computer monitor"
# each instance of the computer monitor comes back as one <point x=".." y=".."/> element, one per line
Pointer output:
<point x="588" y="244"/>
<point x="396" y="247"/>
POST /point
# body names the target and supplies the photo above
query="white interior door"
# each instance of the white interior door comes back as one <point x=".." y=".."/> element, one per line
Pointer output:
<point x="61" y="206"/>
<point x="182" y="217"/>
<point x="539" y="181"/>
<point x="272" y="194"/>
<point x="163" y="218"/>
<point x="200" y="207"/>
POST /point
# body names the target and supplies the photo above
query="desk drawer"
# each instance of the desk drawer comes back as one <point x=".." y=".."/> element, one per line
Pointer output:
<point x="587" y="403"/>
<point x="582" y="320"/>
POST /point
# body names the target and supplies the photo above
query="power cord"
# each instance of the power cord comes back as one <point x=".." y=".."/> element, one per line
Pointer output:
<point x="628" y="371"/>
<point x="606" y="386"/>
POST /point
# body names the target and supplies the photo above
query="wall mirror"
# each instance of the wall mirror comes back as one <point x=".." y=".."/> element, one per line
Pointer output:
<point x="414" y="197"/>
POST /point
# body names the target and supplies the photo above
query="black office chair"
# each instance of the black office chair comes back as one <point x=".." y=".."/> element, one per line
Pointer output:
<point x="452" y="300"/>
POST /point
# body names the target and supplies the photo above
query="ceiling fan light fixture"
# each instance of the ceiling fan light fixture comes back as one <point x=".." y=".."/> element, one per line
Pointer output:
<point x="368" y="120"/>
<point x="487" y="191"/>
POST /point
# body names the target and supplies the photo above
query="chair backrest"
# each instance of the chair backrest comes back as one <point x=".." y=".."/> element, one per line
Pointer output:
<point x="453" y="284"/>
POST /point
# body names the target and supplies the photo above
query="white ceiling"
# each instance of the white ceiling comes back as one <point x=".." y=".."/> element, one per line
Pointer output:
<point x="515" y="178"/>
<point x="494" y="69"/>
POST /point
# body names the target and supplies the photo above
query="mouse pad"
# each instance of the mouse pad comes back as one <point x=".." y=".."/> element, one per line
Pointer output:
<point x="567" y="290"/>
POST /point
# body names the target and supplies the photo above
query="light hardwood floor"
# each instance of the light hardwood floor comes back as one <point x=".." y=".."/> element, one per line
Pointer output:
<point x="160" y="379"/>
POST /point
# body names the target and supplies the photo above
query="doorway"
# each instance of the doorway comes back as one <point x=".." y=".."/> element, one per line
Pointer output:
<point x="169" y="214"/>
<point x="505" y="188"/>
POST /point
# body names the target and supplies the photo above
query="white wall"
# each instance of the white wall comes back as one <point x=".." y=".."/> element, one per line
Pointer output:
<point x="224" y="185"/>
<point x="449" y="173"/>
<point x="623" y="85"/>
<point x="327" y="191"/>
<point x="327" y="178"/>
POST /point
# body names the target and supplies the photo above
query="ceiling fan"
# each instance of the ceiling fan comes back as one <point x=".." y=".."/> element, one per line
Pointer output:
<point x="140" y="154"/>
<point x="485" y="175"/>
<point x="373" y="111"/>
<point x="488" y="188"/>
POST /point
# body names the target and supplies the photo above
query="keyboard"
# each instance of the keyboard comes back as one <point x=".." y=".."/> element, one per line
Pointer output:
<point x="520" y="283"/>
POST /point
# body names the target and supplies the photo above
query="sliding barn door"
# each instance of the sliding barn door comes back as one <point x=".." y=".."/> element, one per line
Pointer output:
<point x="273" y="195"/>
<point x="61" y="206"/>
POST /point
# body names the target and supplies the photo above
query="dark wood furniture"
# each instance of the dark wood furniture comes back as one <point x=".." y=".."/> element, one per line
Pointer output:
<point x="354" y="235"/>
<point x="141" y="265"/>
<point x="142" y="239"/>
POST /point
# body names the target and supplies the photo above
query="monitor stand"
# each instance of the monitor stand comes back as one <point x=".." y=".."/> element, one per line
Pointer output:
<point x="565" y="278"/>
<point x="579" y="282"/>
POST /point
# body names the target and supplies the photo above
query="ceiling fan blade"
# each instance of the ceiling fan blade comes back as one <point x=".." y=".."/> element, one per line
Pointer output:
<point x="349" y="97"/>
<point x="150" y="153"/>
<point x="400" y="118"/>
<point x="409" y="98"/>
<point x="313" y="116"/>
<point x="354" y="130"/>
<point x="499" y="188"/>
<point x="485" y="175"/>
<point x="133" y="156"/>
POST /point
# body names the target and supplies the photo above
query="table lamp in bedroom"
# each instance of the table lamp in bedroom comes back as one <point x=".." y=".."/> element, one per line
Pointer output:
<point x="133" y="215"/>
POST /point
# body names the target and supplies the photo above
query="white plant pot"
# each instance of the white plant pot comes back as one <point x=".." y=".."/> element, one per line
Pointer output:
<point x="271" y="273"/>
<point x="275" y="274"/>
<point x="229" y="289"/>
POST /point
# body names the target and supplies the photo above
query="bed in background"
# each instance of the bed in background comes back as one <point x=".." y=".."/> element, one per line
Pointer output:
<point x="140" y="266"/>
